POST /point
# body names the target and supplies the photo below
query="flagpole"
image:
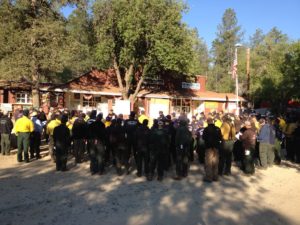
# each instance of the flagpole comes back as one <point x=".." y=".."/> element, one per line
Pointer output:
<point x="236" y="79"/>
<point x="237" y="93"/>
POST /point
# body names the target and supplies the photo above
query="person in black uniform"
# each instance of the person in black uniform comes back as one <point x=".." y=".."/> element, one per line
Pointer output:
<point x="117" y="138"/>
<point x="91" y="120"/>
<point x="6" y="127"/>
<point x="62" y="142"/>
<point x="79" y="132"/>
<point x="200" y="142"/>
<point x="297" y="141"/>
<point x="142" y="142"/>
<point x="169" y="126"/>
<point x="193" y="126"/>
<point x="159" y="144"/>
<point x="130" y="126"/>
<point x="109" y="144"/>
<point x="183" y="142"/>
<point x="96" y="131"/>
<point x="212" y="137"/>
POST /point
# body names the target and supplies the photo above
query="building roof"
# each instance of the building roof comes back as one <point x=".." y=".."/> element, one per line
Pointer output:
<point x="105" y="83"/>
<point x="23" y="85"/>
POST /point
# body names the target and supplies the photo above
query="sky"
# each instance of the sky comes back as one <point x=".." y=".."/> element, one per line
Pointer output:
<point x="205" y="15"/>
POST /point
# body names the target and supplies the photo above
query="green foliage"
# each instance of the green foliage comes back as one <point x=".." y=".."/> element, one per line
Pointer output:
<point x="200" y="59"/>
<point x="291" y="72"/>
<point x="257" y="38"/>
<point x="34" y="38"/>
<point x="147" y="36"/>
<point x="267" y="58"/>
<point x="79" y="51"/>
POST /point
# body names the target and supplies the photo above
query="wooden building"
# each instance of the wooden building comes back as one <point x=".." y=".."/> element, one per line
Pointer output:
<point x="99" y="90"/>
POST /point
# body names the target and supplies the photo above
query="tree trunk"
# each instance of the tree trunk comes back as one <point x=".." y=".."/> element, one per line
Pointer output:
<point x="35" y="65"/>
<point x="139" y="85"/>
<point x="119" y="78"/>
<point x="137" y="89"/>
<point x="35" y="98"/>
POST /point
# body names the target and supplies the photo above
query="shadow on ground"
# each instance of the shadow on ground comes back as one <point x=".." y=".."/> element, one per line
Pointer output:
<point x="288" y="164"/>
<point x="35" y="193"/>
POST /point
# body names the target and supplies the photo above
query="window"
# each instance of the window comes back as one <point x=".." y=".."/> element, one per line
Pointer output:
<point x="90" y="100"/>
<point x="97" y="99"/>
<point x="77" y="96"/>
<point x="87" y="100"/>
<point x="23" y="97"/>
<point x="181" y="105"/>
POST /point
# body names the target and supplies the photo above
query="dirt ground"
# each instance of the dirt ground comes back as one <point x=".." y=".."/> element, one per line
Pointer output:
<point x="35" y="193"/>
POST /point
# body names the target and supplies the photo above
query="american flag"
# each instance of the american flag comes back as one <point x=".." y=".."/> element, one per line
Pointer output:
<point x="234" y="65"/>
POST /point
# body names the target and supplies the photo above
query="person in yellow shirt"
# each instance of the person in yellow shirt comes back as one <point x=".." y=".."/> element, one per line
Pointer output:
<point x="73" y="117"/>
<point x="142" y="117"/>
<point x="23" y="128"/>
<point x="54" y="122"/>
<point x="228" y="135"/>
<point x="107" y="122"/>
<point x="218" y="122"/>
<point x="282" y="123"/>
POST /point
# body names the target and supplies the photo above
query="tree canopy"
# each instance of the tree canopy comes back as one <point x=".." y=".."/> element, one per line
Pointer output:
<point x="228" y="35"/>
<point x="140" y="38"/>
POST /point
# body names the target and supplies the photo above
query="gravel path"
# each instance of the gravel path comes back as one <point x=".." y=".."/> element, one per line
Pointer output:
<point x="35" y="194"/>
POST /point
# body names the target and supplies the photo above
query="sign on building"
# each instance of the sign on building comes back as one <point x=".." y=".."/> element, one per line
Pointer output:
<point x="211" y="105"/>
<point x="102" y="108"/>
<point x="193" y="86"/>
<point x="157" y="105"/>
<point x="6" y="107"/>
<point x="122" y="107"/>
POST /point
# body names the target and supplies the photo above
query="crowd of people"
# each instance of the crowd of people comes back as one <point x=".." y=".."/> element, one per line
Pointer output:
<point x="171" y="141"/>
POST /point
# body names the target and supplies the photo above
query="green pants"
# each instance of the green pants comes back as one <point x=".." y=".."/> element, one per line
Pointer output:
<point x="51" y="148"/>
<point x="5" y="144"/>
<point x="266" y="154"/>
<point x="23" y="145"/>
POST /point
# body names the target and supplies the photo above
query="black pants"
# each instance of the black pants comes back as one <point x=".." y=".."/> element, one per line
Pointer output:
<point x="158" y="160"/>
<point x="122" y="157"/>
<point x="201" y="150"/>
<point x="142" y="159"/>
<point x="290" y="148"/>
<point x="97" y="154"/>
<point x="131" y="148"/>
<point x="182" y="162"/>
<point x="225" y="157"/>
<point x="238" y="151"/>
<point x="5" y="144"/>
<point x="171" y="155"/>
<point x="61" y="154"/>
<point x="79" y="149"/>
<point x="35" y="143"/>
<point x="248" y="161"/>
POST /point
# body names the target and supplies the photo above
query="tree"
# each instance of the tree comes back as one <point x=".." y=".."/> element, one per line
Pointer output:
<point x="34" y="48"/>
<point x="138" y="37"/>
<point x="228" y="34"/>
<point x="80" y="43"/>
<point x="257" y="38"/>
<point x="291" y="72"/>
<point x="267" y="58"/>
<point x="200" y="59"/>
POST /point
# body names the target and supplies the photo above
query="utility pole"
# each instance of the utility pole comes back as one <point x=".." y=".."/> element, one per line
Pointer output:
<point x="248" y="73"/>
